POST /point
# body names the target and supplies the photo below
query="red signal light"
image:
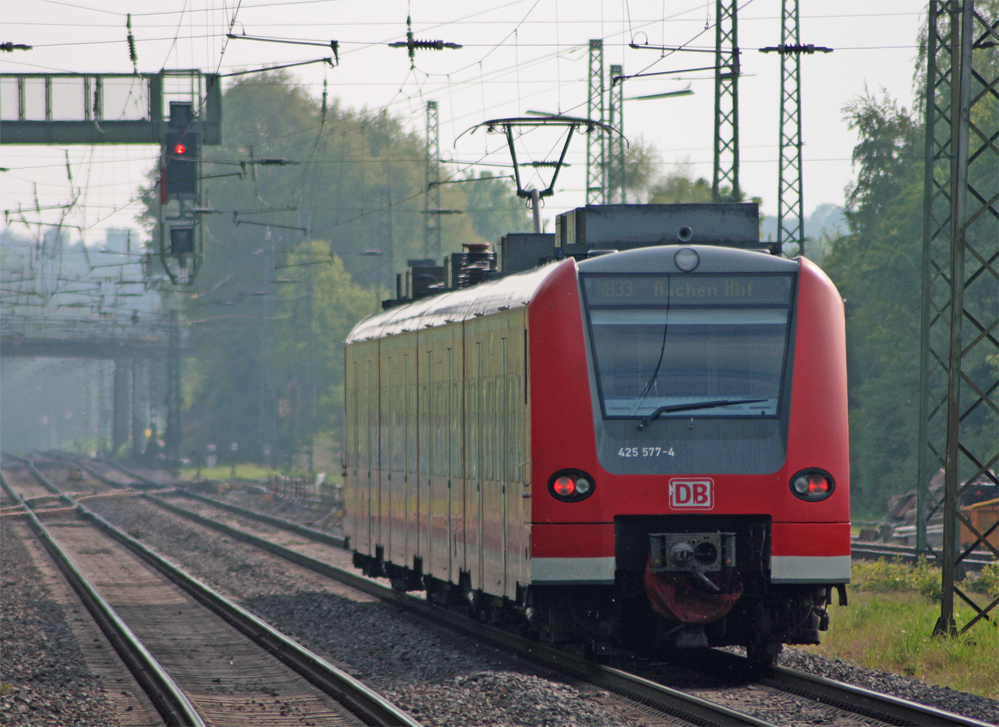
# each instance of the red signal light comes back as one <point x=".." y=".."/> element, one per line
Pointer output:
<point x="179" y="149"/>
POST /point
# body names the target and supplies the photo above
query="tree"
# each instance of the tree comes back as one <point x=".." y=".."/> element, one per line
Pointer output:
<point x="641" y="160"/>
<point x="877" y="268"/>
<point x="679" y="187"/>
<point x="494" y="208"/>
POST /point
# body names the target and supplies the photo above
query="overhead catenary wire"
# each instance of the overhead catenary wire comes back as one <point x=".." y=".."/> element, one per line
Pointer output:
<point x="456" y="84"/>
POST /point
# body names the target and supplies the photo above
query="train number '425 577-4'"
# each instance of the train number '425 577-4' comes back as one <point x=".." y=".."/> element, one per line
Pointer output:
<point x="646" y="452"/>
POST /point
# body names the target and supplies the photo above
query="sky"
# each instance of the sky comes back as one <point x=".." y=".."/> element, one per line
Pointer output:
<point x="516" y="56"/>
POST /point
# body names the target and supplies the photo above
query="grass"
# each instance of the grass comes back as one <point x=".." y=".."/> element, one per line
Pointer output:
<point x="889" y="626"/>
<point x="248" y="472"/>
<point x="243" y="471"/>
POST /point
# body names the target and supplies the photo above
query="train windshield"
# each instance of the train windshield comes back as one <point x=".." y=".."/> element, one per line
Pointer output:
<point x="686" y="345"/>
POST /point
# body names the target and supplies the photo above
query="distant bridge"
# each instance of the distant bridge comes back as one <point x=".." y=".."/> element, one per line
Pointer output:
<point x="133" y="348"/>
<point x="118" y="347"/>
<point x="91" y="340"/>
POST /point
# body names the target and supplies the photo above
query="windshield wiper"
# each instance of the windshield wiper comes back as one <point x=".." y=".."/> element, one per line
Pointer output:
<point x="691" y="407"/>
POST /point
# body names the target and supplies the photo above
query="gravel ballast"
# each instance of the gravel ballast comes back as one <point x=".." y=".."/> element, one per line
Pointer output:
<point x="44" y="678"/>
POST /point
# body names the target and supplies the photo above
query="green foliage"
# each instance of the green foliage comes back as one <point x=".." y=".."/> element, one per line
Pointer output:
<point x="494" y="208"/>
<point x="641" y="160"/>
<point x="877" y="268"/>
<point x="885" y="576"/>
<point x="678" y="186"/>
<point x="893" y="631"/>
<point x="986" y="581"/>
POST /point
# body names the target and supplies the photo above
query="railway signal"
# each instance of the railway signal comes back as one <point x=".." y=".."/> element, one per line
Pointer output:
<point x="181" y="159"/>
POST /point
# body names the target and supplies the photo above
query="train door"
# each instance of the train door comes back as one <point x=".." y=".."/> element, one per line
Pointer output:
<point x="374" y="472"/>
<point x="439" y="492"/>
<point x="456" y="444"/>
<point x="384" y="503"/>
<point x="503" y="457"/>
<point x="362" y="488"/>
<point x="517" y="500"/>
<point x="410" y="477"/>
<point x="394" y="427"/>
<point x="350" y="460"/>
<point x="473" y="455"/>
<point x="424" y="372"/>
<point x="492" y="428"/>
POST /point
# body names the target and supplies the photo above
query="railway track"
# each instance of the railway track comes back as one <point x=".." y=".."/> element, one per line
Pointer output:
<point x="854" y="700"/>
<point x="907" y="554"/>
<point x="201" y="658"/>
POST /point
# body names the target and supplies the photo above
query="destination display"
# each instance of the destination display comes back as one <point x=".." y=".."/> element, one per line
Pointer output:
<point x="686" y="289"/>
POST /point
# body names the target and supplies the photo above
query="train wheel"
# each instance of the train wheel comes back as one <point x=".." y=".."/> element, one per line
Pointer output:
<point x="763" y="654"/>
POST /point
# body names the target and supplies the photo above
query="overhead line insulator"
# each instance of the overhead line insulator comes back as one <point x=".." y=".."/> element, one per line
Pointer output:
<point x="795" y="48"/>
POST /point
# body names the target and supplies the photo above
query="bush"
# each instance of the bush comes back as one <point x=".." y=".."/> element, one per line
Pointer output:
<point x="895" y="576"/>
<point x="888" y="576"/>
<point x="987" y="581"/>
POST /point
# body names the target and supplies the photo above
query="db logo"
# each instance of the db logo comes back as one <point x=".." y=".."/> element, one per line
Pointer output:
<point x="691" y="494"/>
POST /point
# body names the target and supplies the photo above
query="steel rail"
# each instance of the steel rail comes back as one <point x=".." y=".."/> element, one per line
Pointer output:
<point x="907" y="553"/>
<point x="139" y="480"/>
<point x="168" y="698"/>
<point x="122" y="468"/>
<point x="670" y="701"/>
<point x="369" y="706"/>
<point x="847" y="697"/>
<point x="312" y="533"/>
<point x="886" y="707"/>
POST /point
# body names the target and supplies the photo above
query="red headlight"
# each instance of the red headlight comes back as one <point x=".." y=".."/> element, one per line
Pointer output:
<point x="812" y="485"/>
<point x="570" y="485"/>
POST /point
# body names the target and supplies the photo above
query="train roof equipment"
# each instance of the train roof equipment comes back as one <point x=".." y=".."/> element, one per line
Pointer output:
<point x="584" y="233"/>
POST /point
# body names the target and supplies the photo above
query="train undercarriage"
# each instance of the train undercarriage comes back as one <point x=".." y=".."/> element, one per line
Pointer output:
<point x="722" y="597"/>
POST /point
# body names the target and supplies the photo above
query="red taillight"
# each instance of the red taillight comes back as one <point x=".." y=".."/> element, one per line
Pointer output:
<point x="812" y="485"/>
<point x="570" y="485"/>
<point x="817" y="485"/>
<point x="564" y="486"/>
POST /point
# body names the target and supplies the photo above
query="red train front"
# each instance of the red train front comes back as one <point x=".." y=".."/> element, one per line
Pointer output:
<point x="675" y="472"/>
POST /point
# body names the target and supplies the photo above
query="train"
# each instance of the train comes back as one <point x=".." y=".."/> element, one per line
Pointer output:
<point x="627" y="435"/>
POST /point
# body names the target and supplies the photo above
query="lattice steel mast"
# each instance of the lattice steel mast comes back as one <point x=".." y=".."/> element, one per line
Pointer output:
<point x="726" y="151"/>
<point x="789" y="186"/>
<point x="432" y="199"/>
<point x="959" y="414"/>
<point x="596" y="163"/>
